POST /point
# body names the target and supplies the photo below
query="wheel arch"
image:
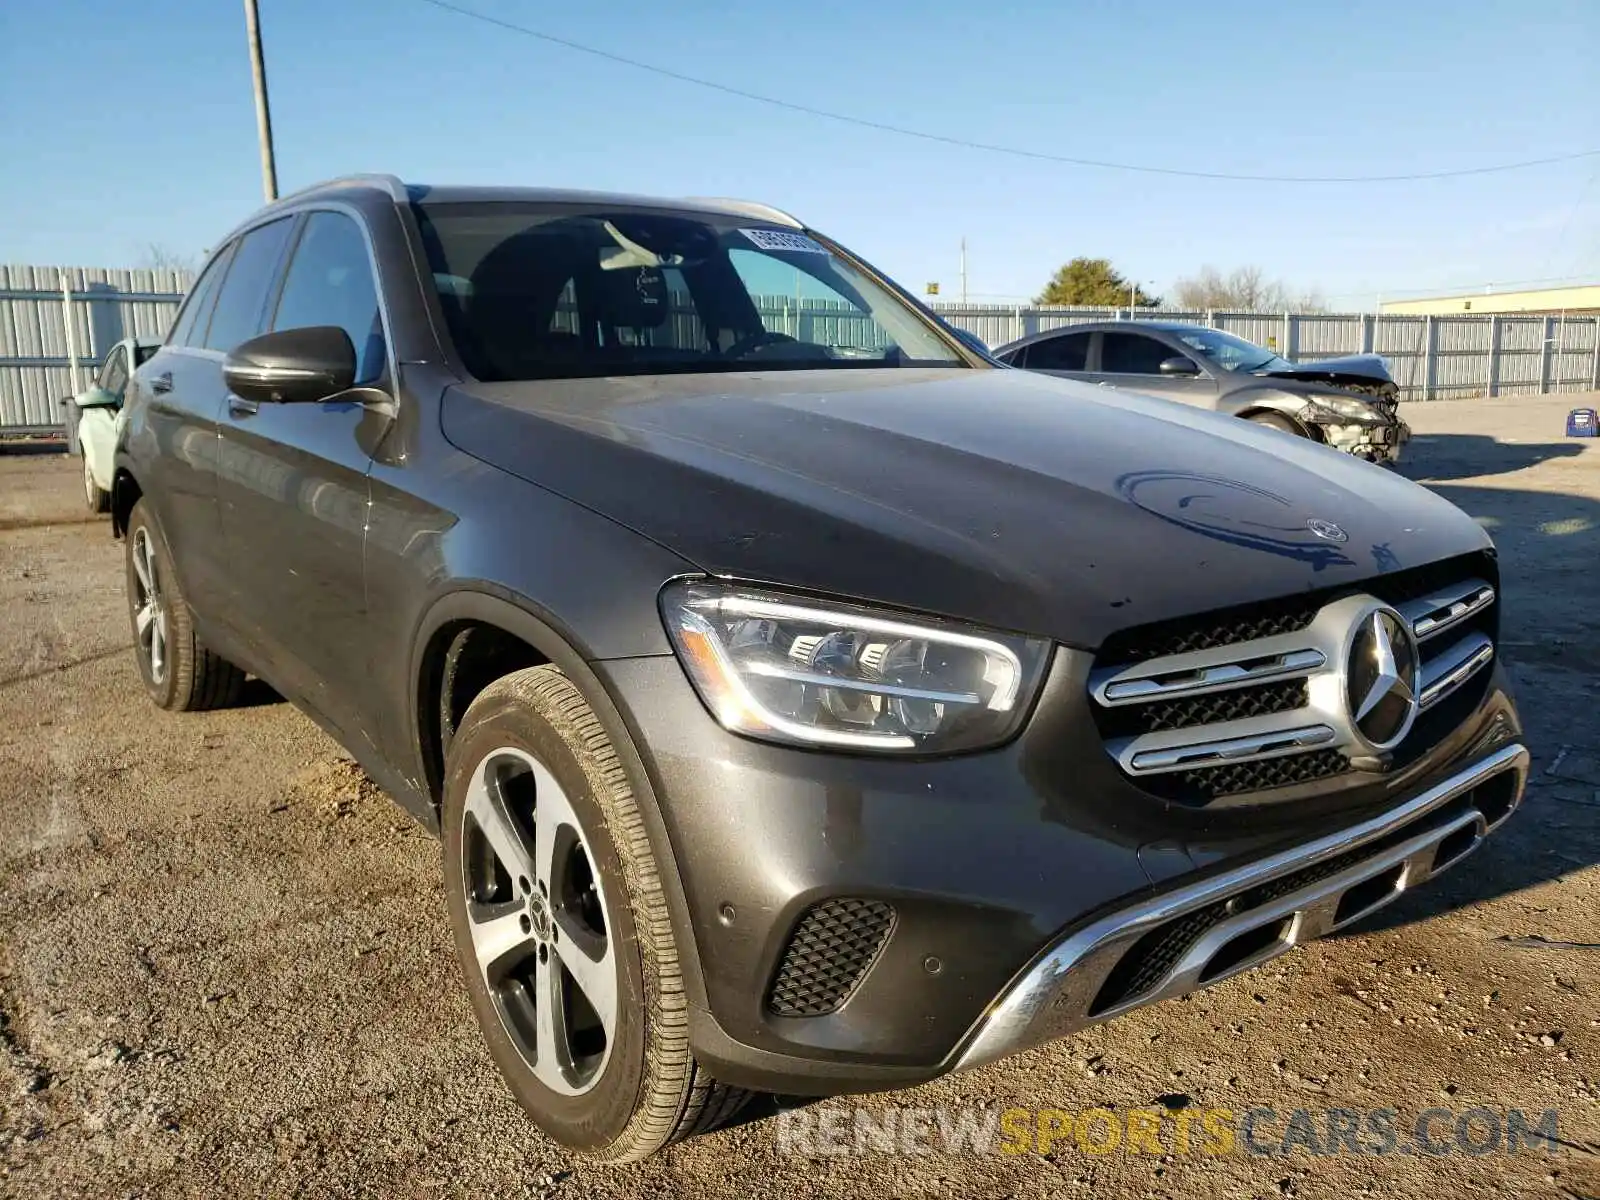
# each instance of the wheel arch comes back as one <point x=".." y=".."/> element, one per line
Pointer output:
<point x="125" y="493"/>
<point x="1288" y="408"/>
<point x="494" y="615"/>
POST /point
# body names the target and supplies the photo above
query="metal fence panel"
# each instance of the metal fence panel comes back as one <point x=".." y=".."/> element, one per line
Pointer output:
<point x="108" y="304"/>
<point x="1430" y="357"/>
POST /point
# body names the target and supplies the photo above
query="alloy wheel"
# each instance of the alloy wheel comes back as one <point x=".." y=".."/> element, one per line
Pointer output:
<point x="538" y="919"/>
<point x="149" y="607"/>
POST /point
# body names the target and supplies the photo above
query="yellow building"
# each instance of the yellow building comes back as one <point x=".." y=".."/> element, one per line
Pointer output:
<point x="1584" y="299"/>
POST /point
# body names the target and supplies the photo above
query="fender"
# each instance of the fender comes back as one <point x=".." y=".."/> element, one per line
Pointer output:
<point x="494" y="606"/>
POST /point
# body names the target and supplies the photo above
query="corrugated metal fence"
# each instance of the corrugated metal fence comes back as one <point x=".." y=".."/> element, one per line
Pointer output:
<point x="39" y="343"/>
<point x="1431" y="357"/>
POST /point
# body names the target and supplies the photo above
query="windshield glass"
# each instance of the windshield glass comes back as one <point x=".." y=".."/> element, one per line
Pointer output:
<point x="541" y="291"/>
<point x="1230" y="353"/>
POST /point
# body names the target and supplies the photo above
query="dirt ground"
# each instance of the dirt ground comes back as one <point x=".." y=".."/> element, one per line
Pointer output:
<point x="224" y="966"/>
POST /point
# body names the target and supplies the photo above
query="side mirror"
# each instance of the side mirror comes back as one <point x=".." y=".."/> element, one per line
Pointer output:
<point x="1179" y="364"/>
<point x="292" y="366"/>
<point x="96" y="397"/>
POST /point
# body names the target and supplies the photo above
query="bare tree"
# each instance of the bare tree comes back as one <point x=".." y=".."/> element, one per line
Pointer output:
<point x="1244" y="289"/>
<point x="158" y="257"/>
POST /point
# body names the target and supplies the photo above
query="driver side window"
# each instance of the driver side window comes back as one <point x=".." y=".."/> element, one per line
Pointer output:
<point x="114" y="375"/>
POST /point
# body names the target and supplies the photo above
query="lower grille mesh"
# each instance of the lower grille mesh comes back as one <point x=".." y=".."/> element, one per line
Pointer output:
<point x="1204" y="784"/>
<point x="829" y="952"/>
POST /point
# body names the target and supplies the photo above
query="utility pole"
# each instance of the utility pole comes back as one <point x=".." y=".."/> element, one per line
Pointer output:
<point x="269" y="168"/>
<point x="963" y="270"/>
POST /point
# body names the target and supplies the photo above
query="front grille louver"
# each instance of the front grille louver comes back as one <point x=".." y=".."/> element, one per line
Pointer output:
<point x="1220" y="704"/>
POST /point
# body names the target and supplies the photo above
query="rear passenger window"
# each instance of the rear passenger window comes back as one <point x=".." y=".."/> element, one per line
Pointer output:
<point x="244" y="292"/>
<point x="197" y="312"/>
<point x="330" y="283"/>
<point x="1070" y="352"/>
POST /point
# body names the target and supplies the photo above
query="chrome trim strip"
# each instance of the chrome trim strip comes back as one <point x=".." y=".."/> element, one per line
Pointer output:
<point x="1453" y="668"/>
<point x="1214" y="750"/>
<point x="1435" y="613"/>
<point x="1051" y="998"/>
<point x="1141" y="683"/>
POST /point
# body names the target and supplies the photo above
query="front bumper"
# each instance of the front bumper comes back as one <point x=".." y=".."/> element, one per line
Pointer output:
<point x="1375" y="442"/>
<point x="995" y="866"/>
<point x="1206" y="931"/>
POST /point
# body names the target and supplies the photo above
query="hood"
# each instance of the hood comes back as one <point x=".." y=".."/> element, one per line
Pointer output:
<point x="1354" y="370"/>
<point x="1016" y="500"/>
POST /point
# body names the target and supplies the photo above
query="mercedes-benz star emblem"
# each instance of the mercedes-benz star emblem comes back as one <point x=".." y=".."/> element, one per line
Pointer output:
<point x="1381" y="678"/>
<point x="1327" y="530"/>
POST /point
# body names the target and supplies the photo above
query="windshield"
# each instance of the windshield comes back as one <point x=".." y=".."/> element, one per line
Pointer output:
<point x="1230" y="353"/>
<point x="540" y="291"/>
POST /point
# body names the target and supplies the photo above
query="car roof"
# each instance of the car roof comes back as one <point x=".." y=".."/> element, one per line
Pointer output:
<point x="406" y="193"/>
<point x="1093" y="326"/>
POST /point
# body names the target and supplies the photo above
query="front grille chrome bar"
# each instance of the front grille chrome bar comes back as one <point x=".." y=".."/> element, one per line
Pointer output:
<point x="1454" y="667"/>
<point x="1140" y="684"/>
<point x="1314" y="895"/>
<point x="1147" y="755"/>
<point x="1444" y="609"/>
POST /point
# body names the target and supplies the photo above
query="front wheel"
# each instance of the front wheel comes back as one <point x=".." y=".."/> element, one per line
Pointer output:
<point x="561" y="926"/>
<point x="1278" y="421"/>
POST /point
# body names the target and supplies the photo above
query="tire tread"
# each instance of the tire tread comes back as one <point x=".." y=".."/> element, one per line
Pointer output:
<point x="680" y="1098"/>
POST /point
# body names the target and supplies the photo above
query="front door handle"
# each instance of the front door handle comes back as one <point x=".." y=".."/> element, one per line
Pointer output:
<point x="161" y="382"/>
<point x="238" y="406"/>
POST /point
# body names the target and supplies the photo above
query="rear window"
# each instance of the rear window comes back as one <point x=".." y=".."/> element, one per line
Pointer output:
<point x="537" y="291"/>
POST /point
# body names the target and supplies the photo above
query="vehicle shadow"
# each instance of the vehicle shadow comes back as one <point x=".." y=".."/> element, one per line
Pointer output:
<point x="1549" y="544"/>
<point x="1448" y="456"/>
<point x="257" y="693"/>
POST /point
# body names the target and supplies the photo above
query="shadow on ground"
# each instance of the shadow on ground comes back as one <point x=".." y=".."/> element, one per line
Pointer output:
<point x="1442" y="456"/>
<point x="1549" y="544"/>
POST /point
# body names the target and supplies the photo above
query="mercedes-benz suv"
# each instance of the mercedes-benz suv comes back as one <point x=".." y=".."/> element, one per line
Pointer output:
<point x="803" y="702"/>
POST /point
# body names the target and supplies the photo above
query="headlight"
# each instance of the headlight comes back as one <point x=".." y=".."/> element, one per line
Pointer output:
<point x="1348" y="409"/>
<point x="814" y="673"/>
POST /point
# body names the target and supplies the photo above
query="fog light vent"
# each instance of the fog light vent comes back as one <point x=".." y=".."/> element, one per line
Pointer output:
<point x="828" y="954"/>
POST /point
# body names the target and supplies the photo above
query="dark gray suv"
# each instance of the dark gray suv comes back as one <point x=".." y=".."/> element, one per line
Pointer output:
<point x="804" y="704"/>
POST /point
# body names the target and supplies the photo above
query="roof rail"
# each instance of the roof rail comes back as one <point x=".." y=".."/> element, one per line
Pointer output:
<point x="389" y="183"/>
<point x="749" y="208"/>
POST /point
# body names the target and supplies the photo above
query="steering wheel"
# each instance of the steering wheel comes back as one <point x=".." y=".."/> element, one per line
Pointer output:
<point x="755" y="341"/>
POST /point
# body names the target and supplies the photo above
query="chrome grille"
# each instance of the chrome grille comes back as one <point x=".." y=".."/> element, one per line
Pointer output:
<point x="1256" y="697"/>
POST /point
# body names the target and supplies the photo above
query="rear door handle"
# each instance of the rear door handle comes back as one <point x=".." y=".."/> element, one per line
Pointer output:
<point x="161" y="382"/>
<point x="240" y="407"/>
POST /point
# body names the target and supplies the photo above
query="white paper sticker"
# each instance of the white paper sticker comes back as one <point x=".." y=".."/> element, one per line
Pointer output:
<point x="782" y="239"/>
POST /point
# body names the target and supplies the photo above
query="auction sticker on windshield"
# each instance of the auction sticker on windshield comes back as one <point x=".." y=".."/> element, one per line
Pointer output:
<point x="782" y="239"/>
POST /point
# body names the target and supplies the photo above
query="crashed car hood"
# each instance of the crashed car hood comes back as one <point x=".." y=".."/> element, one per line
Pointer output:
<point x="1012" y="499"/>
<point x="1365" y="369"/>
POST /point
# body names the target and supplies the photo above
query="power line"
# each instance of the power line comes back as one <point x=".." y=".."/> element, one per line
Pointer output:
<point x="990" y="147"/>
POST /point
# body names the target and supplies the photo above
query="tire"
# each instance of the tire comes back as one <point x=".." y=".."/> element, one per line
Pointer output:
<point x="180" y="674"/>
<point x="1274" y="420"/>
<point x="531" y="768"/>
<point x="98" y="499"/>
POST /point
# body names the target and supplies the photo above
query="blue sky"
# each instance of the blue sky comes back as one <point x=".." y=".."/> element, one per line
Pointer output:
<point x="131" y="124"/>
